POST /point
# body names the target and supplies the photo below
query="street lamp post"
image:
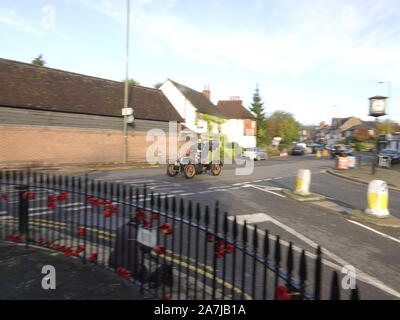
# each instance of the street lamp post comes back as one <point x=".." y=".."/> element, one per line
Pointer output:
<point x="126" y="112"/>
<point x="377" y="108"/>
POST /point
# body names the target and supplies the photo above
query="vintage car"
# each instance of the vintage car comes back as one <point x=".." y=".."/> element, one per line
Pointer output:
<point x="197" y="160"/>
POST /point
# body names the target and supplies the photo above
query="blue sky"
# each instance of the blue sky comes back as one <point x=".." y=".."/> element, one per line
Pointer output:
<point x="317" y="59"/>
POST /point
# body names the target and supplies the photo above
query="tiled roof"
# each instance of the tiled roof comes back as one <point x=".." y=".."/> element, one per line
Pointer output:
<point x="233" y="109"/>
<point x="198" y="100"/>
<point x="27" y="85"/>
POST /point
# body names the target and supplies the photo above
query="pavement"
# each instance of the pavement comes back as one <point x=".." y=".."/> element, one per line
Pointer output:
<point x="21" y="277"/>
<point x="363" y="175"/>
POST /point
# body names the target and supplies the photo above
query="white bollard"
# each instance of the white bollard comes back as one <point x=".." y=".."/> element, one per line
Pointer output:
<point x="303" y="182"/>
<point x="378" y="198"/>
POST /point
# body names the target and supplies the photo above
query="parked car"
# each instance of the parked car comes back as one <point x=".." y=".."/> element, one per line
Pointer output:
<point x="255" y="154"/>
<point x="393" y="154"/>
<point x="298" y="150"/>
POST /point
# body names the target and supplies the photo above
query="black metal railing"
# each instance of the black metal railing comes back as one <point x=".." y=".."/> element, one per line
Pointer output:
<point x="171" y="249"/>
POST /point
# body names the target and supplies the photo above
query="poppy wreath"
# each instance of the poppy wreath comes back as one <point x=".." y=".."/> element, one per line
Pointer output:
<point x="220" y="251"/>
<point x="123" y="273"/>
<point x="41" y="240"/>
<point x="148" y="224"/>
<point x="154" y="216"/>
<point x="5" y="196"/>
<point x="68" y="252"/>
<point x="159" y="249"/>
<point x="62" y="196"/>
<point x="93" y="257"/>
<point x="81" y="231"/>
<point x="51" y="202"/>
<point x="28" y="196"/>
<point x="14" y="238"/>
<point x="107" y="213"/>
<point x="282" y="293"/>
<point x="140" y="215"/>
<point x="165" y="228"/>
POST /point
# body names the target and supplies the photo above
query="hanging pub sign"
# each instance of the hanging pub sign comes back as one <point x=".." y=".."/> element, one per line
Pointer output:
<point x="377" y="106"/>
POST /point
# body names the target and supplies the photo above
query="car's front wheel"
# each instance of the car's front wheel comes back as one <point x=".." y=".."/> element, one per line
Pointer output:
<point x="189" y="171"/>
<point x="216" y="169"/>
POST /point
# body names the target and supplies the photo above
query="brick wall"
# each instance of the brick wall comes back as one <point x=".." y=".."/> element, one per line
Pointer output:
<point x="51" y="146"/>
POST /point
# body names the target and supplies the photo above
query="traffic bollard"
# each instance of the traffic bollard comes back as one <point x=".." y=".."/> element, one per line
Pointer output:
<point x="303" y="182"/>
<point x="378" y="199"/>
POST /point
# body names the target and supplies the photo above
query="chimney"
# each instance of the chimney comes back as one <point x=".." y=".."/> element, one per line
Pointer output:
<point x="207" y="92"/>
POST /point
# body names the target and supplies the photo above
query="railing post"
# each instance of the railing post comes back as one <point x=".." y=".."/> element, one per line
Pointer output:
<point x="23" y="212"/>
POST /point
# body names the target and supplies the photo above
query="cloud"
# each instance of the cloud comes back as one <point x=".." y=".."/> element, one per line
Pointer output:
<point x="13" y="19"/>
<point x="353" y="38"/>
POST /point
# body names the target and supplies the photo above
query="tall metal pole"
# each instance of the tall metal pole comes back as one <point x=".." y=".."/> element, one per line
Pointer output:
<point x="125" y="142"/>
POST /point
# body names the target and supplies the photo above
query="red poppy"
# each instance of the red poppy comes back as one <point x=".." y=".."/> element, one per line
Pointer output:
<point x="93" y="257"/>
<point x="95" y="202"/>
<point x="167" y="298"/>
<point x="89" y="198"/>
<point x="51" y="198"/>
<point x="220" y="255"/>
<point x="154" y="216"/>
<point x="123" y="273"/>
<point x="282" y="293"/>
<point x="160" y="249"/>
<point x="5" y="196"/>
<point x="31" y="195"/>
<point x="229" y="248"/>
<point x="41" y="240"/>
<point x="49" y="243"/>
<point x="17" y="239"/>
<point x="221" y="243"/>
<point x="165" y="228"/>
<point x="148" y="224"/>
<point x="62" y="196"/>
<point x="68" y="252"/>
<point x="114" y="209"/>
<point x="109" y="206"/>
<point x="80" y="248"/>
<point x="10" y="237"/>
<point x="51" y="205"/>
<point x="75" y="253"/>
<point x="81" y="231"/>
<point x="107" y="213"/>
<point x="25" y="196"/>
<point x="102" y="202"/>
<point x="210" y="237"/>
<point x="108" y="202"/>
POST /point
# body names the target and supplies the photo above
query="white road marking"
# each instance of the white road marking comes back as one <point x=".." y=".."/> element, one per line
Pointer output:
<point x="377" y="232"/>
<point x="257" y="180"/>
<point x="360" y="275"/>
<point x="266" y="189"/>
<point x="187" y="194"/>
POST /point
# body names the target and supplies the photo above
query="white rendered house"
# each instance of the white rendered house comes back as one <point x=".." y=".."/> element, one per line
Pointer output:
<point x="190" y="104"/>
<point x="240" y="125"/>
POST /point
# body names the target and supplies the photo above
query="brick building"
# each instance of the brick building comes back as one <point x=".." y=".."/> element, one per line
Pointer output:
<point x="54" y="117"/>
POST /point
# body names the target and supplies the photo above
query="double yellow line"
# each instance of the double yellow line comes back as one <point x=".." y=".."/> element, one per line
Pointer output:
<point x="170" y="257"/>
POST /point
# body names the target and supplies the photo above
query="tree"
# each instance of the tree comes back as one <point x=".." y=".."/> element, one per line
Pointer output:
<point x="387" y="126"/>
<point x="132" y="82"/>
<point x="39" y="61"/>
<point x="258" y="108"/>
<point x="282" y="124"/>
